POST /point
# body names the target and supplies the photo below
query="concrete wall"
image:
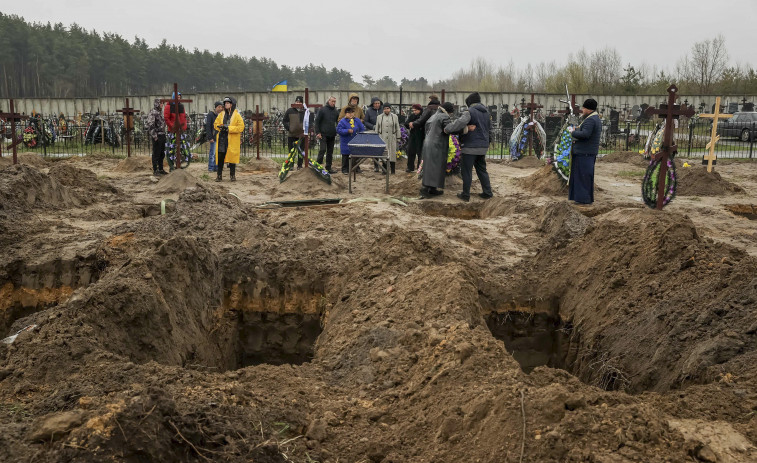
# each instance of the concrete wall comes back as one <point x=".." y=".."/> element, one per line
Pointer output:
<point x="267" y="100"/>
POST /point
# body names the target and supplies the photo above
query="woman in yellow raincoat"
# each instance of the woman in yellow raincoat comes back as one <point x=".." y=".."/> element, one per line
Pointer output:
<point x="230" y="126"/>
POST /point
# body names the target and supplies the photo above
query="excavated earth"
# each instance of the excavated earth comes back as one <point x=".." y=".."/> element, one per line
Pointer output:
<point x="180" y="319"/>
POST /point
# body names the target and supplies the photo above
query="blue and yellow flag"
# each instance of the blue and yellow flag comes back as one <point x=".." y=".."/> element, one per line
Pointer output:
<point x="280" y="87"/>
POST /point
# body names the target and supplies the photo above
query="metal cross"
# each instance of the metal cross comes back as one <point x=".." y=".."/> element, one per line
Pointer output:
<point x="176" y="129"/>
<point x="13" y="117"/>
<point x="257" y="126"/>
<point x="710" y="157"/>
<point x="128" y="113"/>
<point x="669" y="147"/>
<point x="531" y="107"/>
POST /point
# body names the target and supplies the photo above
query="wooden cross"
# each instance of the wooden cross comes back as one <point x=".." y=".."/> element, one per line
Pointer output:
<point x="128" y="113"/>
<point x="668" y="147"/>
<point x="13" y="117"/>
<point x="257" y="120"/>
<point x="176" y="129"/>
<point x="310" y="128"/>
<point x="710" y="157"/>
<point x="572" y="109"/>
<point x="531" y="107"/>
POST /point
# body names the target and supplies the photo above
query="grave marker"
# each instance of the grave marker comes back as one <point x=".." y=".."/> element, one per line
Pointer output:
<point x="128" y="113"/>
<point x="710" y="158"/>
<point x="12" y="116"/>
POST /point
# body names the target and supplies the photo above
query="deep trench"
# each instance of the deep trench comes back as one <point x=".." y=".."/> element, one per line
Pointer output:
<point x="535" y="335"/>
<point x="276" y="338"/>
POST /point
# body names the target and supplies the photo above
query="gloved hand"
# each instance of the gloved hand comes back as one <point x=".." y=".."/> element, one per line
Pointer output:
<point x="223" y="128"/>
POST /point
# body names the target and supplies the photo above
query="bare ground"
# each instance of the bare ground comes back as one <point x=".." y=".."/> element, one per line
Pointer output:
<point x="514" y="329"/>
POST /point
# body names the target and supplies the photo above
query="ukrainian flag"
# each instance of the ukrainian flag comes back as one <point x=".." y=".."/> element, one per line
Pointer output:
<point x="280" y="87"/>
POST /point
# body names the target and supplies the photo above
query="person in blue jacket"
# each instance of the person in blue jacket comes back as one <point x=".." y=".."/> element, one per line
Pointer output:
<point x="347" y="128"/>
<point x="584" y="154"/>
<point x="210" y="119"/>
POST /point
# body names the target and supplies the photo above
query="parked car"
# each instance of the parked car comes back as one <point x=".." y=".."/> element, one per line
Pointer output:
<point x="741" y="125"/>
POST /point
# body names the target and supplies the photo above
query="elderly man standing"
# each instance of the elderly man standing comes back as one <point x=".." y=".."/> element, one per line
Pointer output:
<point x="475" y="124"/>
<point x="325" y="131"/>
<point x="294" y="124"/>
<point x="584" y="154"/>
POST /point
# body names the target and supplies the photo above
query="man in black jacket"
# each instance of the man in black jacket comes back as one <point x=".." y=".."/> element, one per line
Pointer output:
<point x="211" y="133"/>
<point x="294" y="124"/>
<point x="415" y="140"/>
<point x="475" y="124"/>
<point x="325" y="131"/>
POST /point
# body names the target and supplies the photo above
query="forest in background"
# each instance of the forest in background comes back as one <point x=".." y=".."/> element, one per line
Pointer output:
<point x="53" y="60"/>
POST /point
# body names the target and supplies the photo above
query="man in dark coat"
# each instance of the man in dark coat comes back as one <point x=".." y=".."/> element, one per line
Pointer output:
<point x="325" y="131"/>
<point x="415" y="139"/>
<point x="475" y="124"/>
<point x="210" y="133"/>
<point x="584" y="154"/>
<point x="156" y="127"/>
<point x="435" y="149"/>
<point x="294" y="124"/>
<point x="372" y="113"/>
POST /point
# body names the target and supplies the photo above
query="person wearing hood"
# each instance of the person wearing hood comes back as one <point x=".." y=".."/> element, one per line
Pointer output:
<point x="435" y="149"/>
<point x="355" y="105"/>
<point x="584" y="154"/>
<point x="415" y="139"/>
<point x="372" y="113"/>
<point x="230" y="126"/>
<point x="210" y="132"/>
<point x="388" y="128"/>
<point x="294" y="123"/>
<point x="156" y="127"/>
<point x="180" y="147"/>
<point x="347" y="128"/>
<point x="474" y="124"/>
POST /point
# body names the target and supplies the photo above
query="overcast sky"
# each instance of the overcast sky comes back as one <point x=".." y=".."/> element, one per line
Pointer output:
<point x="416" y="38"/>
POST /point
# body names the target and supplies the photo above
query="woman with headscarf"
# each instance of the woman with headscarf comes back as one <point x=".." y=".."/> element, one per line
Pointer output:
<point x="230" y="126"/>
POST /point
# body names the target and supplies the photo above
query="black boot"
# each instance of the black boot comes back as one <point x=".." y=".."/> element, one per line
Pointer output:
<point x="219" y="177"/>
<point x="393" y="164"/>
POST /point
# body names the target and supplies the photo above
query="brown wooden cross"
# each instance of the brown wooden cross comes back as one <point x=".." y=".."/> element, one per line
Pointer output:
<point x="531" y="107"/>
<point x="669" y="147"/>
<point x="176" y="129"/>
<point x="257" y="120"/>
<point x="128" y="113"/>
<point x="710" y="157"/>
<point x="310" y="128"/>
<point x="13" y="117"/>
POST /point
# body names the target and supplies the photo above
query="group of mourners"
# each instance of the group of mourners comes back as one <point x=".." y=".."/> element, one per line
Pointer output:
<point x="428" y="140"/>
<point x="223" y="128"/>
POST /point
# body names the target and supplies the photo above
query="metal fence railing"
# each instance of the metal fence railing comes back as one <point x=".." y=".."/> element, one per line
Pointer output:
<point x="59" y="136"/>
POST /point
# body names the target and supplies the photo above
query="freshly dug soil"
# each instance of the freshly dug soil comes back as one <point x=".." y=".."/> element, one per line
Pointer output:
<point x="527" y="162"/>
<point x="305" y="184"/>
<point x="175" y="182"/>
<point x="516" y="328"/>
<point x="544" y="181"/>
<point x="629" y="157"/>
<point x="696" y="181"/>
<point x="134" y="164"/>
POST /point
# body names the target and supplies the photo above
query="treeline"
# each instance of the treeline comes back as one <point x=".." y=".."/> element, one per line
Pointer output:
<point x="706" y="69"/>
<point x="51" y="60"/>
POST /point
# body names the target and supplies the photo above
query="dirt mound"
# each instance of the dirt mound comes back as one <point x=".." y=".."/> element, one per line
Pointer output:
<point x="629" y="157"/>
<point x="527" y="162"/>
<point x="696" y="181"/>
<point x="134" y="164"/>
<point x="175" y="182"/>
<point x="561" y="222"/>
<point x="259" y="165"/>
<point x="635" y="263"/>
<point x="5" y="162"/>
<point x="304" y="184"/>
<point x="544" y="181"/>
<point x="26" y="188"/>
<point x="30" y="159"/>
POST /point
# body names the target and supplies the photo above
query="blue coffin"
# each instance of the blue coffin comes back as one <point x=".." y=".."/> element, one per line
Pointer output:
<point x="367" y="144"/>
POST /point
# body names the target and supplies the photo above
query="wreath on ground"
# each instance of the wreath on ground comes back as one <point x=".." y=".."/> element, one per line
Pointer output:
<point x="651" y="182"/>
<point x="519" y="139"/>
